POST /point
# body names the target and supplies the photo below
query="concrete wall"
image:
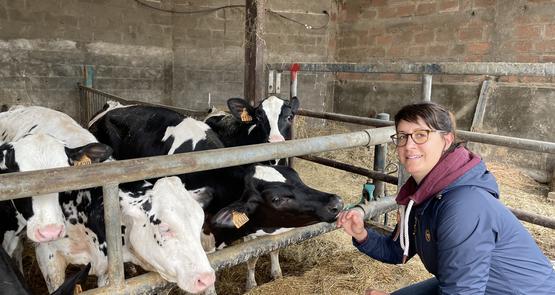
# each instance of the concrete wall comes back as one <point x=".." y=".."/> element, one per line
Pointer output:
<point x="146" y="54"/>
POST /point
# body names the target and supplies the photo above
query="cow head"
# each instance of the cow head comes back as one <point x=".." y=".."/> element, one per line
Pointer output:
<point x="272" y="118"/>
<point x="42" y="213"/>
<point x="275" y="197"/>
<point x="163" y="229"/>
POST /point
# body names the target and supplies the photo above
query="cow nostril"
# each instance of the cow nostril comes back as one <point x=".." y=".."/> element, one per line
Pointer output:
<point x="205" y="279"/>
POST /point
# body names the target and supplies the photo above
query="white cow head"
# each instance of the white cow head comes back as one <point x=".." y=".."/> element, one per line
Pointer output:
<point x="43" y="215"/>
<point x="163" y="230"/>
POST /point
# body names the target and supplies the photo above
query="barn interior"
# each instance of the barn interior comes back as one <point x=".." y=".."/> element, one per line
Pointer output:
<point x="196" y="54"/>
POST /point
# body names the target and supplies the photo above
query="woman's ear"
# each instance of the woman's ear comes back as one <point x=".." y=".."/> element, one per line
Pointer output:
<point x="449" y="139"/>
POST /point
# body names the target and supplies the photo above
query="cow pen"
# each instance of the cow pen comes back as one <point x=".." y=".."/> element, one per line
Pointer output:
<point x="92" y="100"/>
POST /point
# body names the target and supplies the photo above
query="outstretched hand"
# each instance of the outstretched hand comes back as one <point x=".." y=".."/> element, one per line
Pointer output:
<point x="352" y="222"/>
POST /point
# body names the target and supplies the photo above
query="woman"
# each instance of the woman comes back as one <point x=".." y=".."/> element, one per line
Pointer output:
<point x="450" y="215"/>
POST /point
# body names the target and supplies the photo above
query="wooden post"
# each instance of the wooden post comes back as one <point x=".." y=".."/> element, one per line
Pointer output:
<point x="254" y="50"/>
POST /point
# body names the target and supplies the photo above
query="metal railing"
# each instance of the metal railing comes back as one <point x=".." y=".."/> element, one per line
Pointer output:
<point x="109" y="175"/>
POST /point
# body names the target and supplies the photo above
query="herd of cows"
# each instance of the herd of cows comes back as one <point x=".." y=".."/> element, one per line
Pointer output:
<point x="165" y="219"/>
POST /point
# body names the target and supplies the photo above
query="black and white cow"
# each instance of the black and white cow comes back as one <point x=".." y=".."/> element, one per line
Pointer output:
<point x="270" y="121"/>
<point x="269" y="197"/>
<point x="34" y="138"/>
<point x="161" y="228"/>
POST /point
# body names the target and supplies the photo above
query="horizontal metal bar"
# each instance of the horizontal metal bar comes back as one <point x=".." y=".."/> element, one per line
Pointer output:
<point x="345" y="118"/>
<point x="513" y="142"/>
<point x="534" y="218"/>
<point x="23" y="184"/>
<point x="507" y="141"/>
<point x="353" y="169"/>
<point x="447" y="68"/>
<point x="148" y="283"/>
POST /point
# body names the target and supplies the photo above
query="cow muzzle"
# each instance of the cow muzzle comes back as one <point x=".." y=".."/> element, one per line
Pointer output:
<point x="50" y="232"/>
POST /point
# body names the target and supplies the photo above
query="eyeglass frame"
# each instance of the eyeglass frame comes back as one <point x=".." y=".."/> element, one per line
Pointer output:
<point x="428" y="131"/>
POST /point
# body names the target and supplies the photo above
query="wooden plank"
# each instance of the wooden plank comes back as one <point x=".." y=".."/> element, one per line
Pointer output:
<point x="479" y="114"/>
<point x="254" y="50"/>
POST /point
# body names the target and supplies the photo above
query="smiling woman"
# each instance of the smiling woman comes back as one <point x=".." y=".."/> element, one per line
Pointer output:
<point x="451" y="216"/>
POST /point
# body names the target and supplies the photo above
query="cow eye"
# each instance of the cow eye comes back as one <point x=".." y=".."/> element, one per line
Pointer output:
<point x="290" y="118"/>
<point x="276" y="199"/>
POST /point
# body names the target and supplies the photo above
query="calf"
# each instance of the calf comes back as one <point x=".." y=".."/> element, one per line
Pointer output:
<point x="35" y="138"/>
<point x="245" y="199"/>
<point x="161" y="227"/>
<point x="270" y="121"/>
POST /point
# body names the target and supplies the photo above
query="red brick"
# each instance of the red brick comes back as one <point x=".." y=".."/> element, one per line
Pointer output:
<point x="405" y="10"/>
<point x="387" y="12"/>
<point x="470" y="34"/>
<point x="550" y="31"/>
<point x="389" y="77"/>
<point x="384" y="40"/>
<point x="545" y="46"/>
<point x="527" y="58"/>
<point x="416" y="51"/>
<point x="478" y="48"/>
<point x="397" y="51"/>
<point x="437" y="50"/>
<point x="445" y="35"/>
<point x="484" y="3"/>
<point x="548" y="58"/>
<point x="521" y="46"/>
<point x="528" y="32"/>
<point x="378" y="2"/>
<point x="449" y="6"/>
<point x="424" y="37"/>
<point x="426" y="8"/>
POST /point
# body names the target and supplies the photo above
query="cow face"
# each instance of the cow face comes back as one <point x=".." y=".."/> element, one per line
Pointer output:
<point x="272" y="118"/>
<point x="42" y="213"/>
<point x="163" y="229"/>
<point x="275" y="197"/>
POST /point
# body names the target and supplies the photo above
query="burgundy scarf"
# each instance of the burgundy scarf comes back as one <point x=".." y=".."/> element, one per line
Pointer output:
<point x="449" y="168"/>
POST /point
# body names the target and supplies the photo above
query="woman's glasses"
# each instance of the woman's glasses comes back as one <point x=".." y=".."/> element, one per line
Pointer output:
<point x="418" y="136"/>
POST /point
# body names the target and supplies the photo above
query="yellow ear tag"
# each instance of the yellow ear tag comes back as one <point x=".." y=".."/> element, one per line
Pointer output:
<point x="239" y="219"/>
<point x="83" y="161"/>
<point x="245" y="117"/>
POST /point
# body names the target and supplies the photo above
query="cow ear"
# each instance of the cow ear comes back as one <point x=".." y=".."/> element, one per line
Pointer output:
<point x="241" y="109"/>
<point x="233" y="216"/>
<point x="294" y="103"/>
<point x="7" y="159"/>
<point x="90" y="153"/>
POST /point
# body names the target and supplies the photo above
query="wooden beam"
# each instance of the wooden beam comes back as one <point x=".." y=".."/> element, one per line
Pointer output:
<point x="254" y="50"/>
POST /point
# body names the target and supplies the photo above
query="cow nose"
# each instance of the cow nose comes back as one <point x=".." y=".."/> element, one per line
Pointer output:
<point x="204" y="280"/>
<point x="276" y="138"/>
<point x="49" y="232"/>
<point x="335" y="206"/>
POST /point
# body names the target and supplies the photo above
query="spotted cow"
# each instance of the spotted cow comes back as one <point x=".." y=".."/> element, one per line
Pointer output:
<point x="161" y="228"/>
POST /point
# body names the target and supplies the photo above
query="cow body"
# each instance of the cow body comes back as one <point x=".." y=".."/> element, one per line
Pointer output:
<point x="161" y="227"/>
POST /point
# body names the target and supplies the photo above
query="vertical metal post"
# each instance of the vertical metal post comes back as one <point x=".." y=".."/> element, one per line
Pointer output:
<point x="427" y="87"/>
<point x="112" y="219"/>
<point x="380" y="157"/>
<point x="293" y="87"/>
<point x="254" y="50"/>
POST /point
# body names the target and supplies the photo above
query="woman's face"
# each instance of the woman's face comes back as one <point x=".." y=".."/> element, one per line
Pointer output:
<point x="419" y="159"/>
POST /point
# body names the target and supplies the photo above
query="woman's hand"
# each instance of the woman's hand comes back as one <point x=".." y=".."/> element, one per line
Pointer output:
<point x="374" y="292"/>
<point x="352" y="223"/>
